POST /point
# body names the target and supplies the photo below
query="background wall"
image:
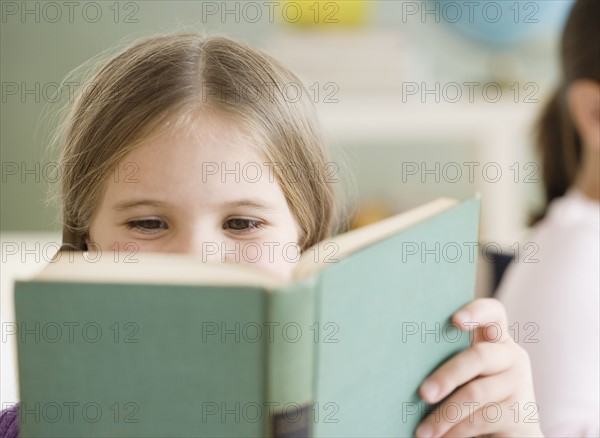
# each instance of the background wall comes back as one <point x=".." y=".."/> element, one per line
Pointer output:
<point x="379" y="64"/>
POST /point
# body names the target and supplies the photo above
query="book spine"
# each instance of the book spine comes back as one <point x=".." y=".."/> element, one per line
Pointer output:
<point x="290" y="360"/>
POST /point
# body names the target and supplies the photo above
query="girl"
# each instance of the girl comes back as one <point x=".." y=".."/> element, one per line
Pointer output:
<point x="138" y="147"/>
<point x="564" y="285"/>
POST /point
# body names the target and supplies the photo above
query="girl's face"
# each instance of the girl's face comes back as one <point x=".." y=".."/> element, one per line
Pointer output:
<point x="201" y="191"/>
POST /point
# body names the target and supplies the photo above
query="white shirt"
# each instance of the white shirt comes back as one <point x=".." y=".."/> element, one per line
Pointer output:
<point x="558" y="296"/>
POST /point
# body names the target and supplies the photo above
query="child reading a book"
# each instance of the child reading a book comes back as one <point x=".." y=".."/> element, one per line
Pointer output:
<point x="564" y="283"/>
<point x="203" y="145"/>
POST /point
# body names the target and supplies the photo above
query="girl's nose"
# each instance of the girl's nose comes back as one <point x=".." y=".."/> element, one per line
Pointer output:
<point x="210" y="247"/>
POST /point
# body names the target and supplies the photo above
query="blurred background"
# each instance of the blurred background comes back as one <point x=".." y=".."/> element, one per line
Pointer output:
<point x="418" y="99"/>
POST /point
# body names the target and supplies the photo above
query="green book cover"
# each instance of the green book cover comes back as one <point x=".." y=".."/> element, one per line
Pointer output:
<point x="170" y="346"/>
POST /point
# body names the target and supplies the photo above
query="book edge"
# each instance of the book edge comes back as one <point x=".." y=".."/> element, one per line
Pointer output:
<point x="150" y="268"/>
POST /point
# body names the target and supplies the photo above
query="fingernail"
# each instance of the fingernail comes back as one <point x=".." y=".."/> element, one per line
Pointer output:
<point x="462" y="316"/>
<point x="430" y="390"/>
<point x="424" y="431"/>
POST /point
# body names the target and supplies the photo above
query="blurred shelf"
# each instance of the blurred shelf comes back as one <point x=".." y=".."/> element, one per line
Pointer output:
<point x="392" y="132"/>
<point x="367" y="118"/>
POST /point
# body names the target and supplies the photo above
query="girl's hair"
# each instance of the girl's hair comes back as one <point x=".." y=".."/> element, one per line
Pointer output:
<point x="558" y="141"/>
<point x="174" y="78"/>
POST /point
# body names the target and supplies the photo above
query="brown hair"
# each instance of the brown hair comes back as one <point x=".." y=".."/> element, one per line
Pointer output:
<point x="171" y="77"/>
<point x="558" y="141"/>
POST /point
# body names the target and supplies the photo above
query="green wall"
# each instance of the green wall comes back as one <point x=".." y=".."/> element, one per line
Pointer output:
<point x="39" y="49"/>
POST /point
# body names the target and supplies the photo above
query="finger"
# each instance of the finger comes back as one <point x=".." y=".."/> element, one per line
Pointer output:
<point x="495" y="417"/>
<point x="462" y="406"/>
<point x="487" y="317"/>
<point x="487" y="419"/>
<point x="482" y="359"/>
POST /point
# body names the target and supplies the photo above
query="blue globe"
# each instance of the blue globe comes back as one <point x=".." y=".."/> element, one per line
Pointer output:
<point x="503" y="23"/>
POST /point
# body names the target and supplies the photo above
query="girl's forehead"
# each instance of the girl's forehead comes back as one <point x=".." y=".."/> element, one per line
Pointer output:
<point x="208" y="134"/>
<point x="207" y="161"/>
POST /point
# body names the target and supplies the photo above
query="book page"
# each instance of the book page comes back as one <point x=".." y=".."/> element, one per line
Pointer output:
<point x="328" y="251"/>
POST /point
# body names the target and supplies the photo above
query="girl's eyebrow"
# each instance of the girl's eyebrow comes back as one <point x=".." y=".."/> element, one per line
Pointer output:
<point x="253" y="203"/>
<point x="125" y="205"/>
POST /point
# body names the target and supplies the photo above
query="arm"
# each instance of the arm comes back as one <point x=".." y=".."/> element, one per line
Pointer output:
<point x="552" y="306"/>
<point x="9" y="422"/>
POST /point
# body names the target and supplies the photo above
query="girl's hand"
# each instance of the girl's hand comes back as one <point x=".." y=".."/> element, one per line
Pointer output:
<point x="490" y="384"/>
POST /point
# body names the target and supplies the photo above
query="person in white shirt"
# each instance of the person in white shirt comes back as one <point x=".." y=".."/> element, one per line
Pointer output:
<point x="552" y="303"/>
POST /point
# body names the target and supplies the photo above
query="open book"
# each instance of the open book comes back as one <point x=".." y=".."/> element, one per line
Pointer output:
<point x="171" y="346"/>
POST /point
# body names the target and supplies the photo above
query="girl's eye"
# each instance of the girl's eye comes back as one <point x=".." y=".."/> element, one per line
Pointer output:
<point x="242" y="226"/>
<point x="147" y="225"/>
